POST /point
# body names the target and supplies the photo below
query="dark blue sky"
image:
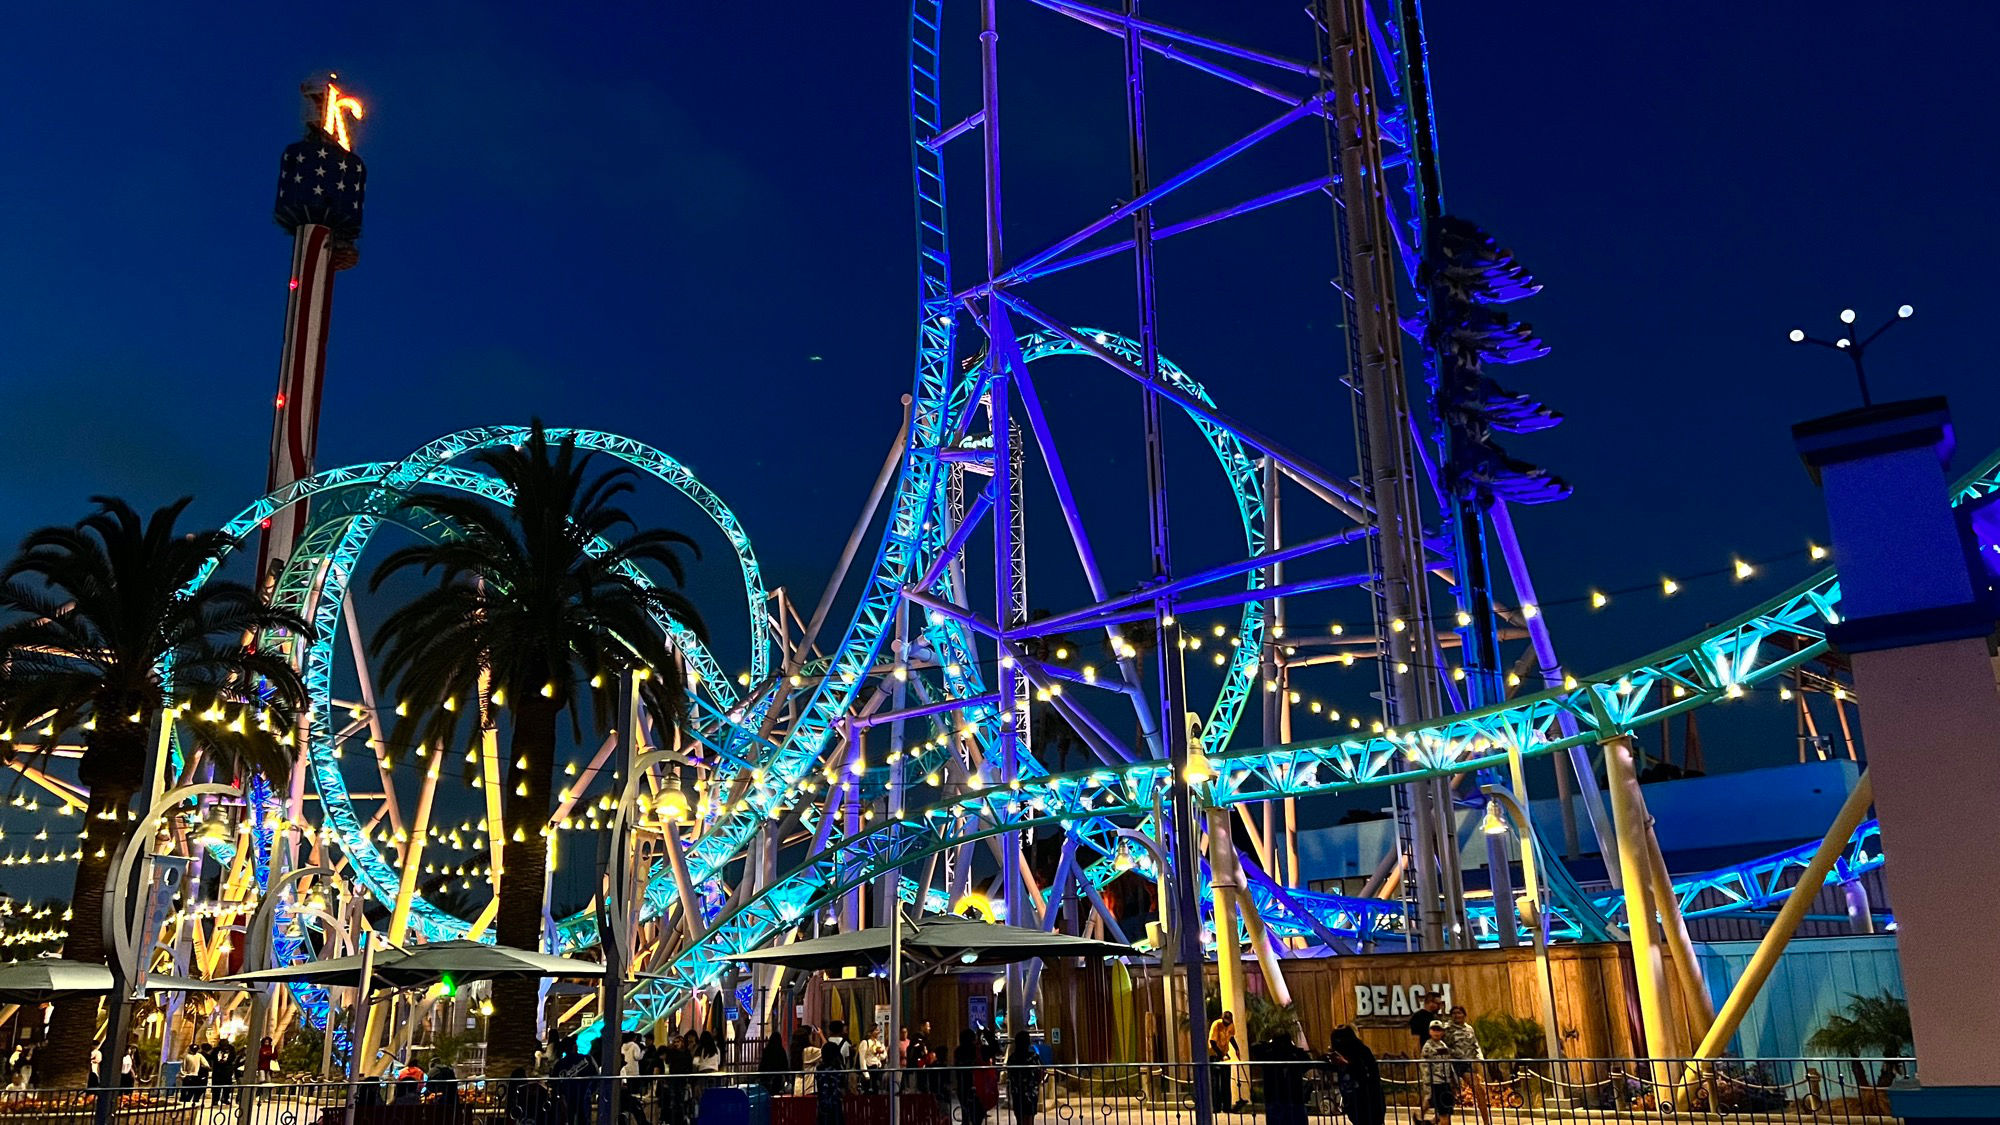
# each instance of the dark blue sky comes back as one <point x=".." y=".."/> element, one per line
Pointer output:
<point x="695" y="229"/>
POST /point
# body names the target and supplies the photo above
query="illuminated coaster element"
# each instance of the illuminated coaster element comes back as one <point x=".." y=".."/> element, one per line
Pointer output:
<point x="315" y="582"/>
<point x="1709" y="668"/>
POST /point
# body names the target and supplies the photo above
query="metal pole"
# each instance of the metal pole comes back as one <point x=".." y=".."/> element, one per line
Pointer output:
<point x="1172" y="688"/>
<point x="354" y="1064"/>
<point x="1545" y="989"/>
<point x="894" y="1035"/>
<point x="1628" y="814"/>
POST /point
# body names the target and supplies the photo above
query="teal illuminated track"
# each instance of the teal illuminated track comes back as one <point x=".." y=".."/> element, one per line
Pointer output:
<point x="772" y="768"/>
<point x="1757" y="648"/>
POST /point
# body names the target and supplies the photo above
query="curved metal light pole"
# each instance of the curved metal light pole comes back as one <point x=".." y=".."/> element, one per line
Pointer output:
<point x="256" y="955"/>
<point x="614" y="929"/>
<point x="1545" y="991"/>
<point x="119" y="924"/>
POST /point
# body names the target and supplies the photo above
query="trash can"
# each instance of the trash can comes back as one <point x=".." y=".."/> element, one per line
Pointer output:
<point x="734" y="1105"/>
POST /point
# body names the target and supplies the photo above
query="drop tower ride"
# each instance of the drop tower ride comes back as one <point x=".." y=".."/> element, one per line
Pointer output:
<point x="321" y="185"/>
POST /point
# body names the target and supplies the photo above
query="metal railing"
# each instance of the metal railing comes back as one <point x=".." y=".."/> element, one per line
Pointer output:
<point x="1490" y="1092"/>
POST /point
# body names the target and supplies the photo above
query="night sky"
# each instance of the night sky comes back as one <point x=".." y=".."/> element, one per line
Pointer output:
<point x="696" y="230"/>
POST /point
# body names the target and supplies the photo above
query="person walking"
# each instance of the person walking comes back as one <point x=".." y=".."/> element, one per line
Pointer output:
<point x="1468" y="1056"/>
<point x="1359" y="1077"/>
<point x="1440" y="1072"/>
<point x="1024" y="1080"/>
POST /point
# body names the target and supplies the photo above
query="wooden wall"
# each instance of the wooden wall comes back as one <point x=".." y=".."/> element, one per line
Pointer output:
<point x="1597" y="1007"/>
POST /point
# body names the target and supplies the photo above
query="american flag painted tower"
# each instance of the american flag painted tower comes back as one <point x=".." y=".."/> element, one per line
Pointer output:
<point x="321" y="183"/>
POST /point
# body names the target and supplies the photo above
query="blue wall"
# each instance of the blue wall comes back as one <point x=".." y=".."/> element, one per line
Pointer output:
<point x="1813" y="980"/>
<point x="1743" y="814"/>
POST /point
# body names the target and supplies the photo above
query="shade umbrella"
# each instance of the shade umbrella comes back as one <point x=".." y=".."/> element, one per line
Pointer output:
<point x="465" y="962"/>
<point x="45" y="978"/>
<point x="164" y="982"/>
<point x="937" y="941"/>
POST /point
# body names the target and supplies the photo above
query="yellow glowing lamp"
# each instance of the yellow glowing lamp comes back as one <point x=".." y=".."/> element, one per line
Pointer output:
<point x="972" y="902"/>
<point x="1199" y="769"/>
<point x="673" y="805"/>
<point x="1493" y="824"/>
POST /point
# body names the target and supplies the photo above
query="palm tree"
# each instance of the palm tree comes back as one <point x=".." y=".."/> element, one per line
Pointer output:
<point x="91" y="619"/>
<point x="1872" y="1025"/>
<point x="539" y="602"/>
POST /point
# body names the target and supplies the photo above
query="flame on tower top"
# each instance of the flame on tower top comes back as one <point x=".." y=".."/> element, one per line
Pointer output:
<point x="327" y="109"/>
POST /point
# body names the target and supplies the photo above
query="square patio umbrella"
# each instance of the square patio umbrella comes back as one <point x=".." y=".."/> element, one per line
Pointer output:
<point x="937" y="942"/>
<point x="465" y="962"/>
<point x="45" y="978"/>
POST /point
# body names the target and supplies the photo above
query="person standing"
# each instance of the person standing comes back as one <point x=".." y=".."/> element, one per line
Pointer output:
<point x="1421" y="1020"/>
<point x="836" y="1060"/>
<point x="965" y="1068"/>
<point x="1024" y="1080"/>
<point x="808" y="1059"/>
<point x="1223" y="1052"/>
<point x="1440" y="1074"/>
<point x="194" y="1073"/>
<point x="267" y="1060"/>
<point x="1466" y="1051"/>
<point x="872" y="1053"/>
<point x="1283" y="1065"/>
<point x="774" y="1068"/>
<point x="573" y="1094"/>
<point x="1360" y="1078"/>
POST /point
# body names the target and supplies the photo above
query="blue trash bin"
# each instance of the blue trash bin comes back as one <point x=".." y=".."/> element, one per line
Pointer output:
<point x="734" y="1105"/>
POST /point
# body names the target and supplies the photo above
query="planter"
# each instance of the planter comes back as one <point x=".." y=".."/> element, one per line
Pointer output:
<point x="63" y="1109"/>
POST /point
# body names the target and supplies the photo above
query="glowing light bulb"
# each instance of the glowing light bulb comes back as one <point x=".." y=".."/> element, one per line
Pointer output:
<point x="1847" y="316"/>
<point x="1798" y="335"/>
<point x="1669" y="587"/>
<point x="1815" y="551"/>
<point x="1597" y="599"/>
<point x="1904" y="311"/>
<point x="1744" y="570"/>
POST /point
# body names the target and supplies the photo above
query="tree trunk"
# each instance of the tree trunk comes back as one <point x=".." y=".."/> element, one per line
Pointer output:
<point x="113" y="763"/>
<point x="524" y="861"/>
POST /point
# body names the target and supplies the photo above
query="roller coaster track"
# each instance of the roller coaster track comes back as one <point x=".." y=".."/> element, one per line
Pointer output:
<point x="1759" y="647"/>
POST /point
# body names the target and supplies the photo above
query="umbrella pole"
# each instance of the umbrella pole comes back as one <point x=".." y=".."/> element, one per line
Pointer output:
<point x="367" y="940"/>
<point x="895" y="1033"/>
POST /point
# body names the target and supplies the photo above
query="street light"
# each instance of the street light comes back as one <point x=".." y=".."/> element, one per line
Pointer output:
<point x="120" y="923"/>
<point x="1498" y="801"/>
<point x="1855" y="348"/>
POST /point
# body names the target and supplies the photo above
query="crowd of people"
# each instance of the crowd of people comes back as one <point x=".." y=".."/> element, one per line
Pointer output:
<point x="1447" y="1052"/>
<point x="823" y="1063"/>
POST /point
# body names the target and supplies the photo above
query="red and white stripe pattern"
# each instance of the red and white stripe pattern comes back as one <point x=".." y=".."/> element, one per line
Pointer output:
<point x="295" y="431"/>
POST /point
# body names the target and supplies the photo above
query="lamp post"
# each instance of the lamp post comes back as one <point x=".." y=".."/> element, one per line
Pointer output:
<point x="1846" y="342"/>
<point x="612" y="927"/>
<point x="119" y="924"/>
<point x="1545" y="991"/>
<point x="257" y="955"/>
<point x="1166" y="947"/>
